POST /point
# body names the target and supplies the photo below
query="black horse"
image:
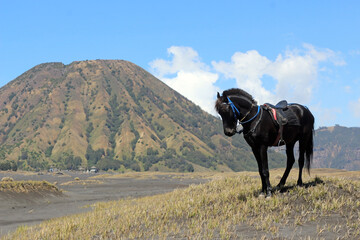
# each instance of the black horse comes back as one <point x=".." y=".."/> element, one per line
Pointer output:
<point x="261" y="131"/>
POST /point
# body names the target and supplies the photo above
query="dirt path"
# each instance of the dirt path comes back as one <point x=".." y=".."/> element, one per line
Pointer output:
<point x="33" y="208"/>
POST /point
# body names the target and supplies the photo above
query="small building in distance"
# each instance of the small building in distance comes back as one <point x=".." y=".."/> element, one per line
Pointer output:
<point x="93" y="169"/>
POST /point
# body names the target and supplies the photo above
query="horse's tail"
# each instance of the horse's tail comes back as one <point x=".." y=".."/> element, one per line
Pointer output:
<point x="309" y="149"/>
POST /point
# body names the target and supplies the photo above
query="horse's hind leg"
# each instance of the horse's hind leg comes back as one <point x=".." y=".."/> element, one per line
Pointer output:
<point x="301" y="161"/>
<point x="289" y="163"/>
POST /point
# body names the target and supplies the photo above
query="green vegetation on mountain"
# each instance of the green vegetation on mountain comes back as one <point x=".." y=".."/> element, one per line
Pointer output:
<point x="114" y="115"/>
<point x="337" y="147"/>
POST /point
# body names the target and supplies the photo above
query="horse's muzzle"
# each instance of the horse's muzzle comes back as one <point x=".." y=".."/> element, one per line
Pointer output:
<point x="229" y="132"/>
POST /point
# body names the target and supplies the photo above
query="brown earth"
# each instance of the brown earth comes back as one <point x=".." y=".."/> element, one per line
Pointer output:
<point x="17" y="209"/>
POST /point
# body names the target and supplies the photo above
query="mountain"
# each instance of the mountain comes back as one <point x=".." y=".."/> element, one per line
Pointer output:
<point x="337" y="147"/>
<point x="112" y="114"/>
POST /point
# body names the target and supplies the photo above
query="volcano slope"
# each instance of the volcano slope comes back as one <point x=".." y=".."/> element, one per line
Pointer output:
<point x="114" y="115"/>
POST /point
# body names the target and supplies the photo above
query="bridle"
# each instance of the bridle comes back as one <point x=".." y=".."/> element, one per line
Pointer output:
<point x="235" y="110"/>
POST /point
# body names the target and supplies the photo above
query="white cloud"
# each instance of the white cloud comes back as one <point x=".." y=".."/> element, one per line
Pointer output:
<point x="183" y="58"/>
<point x="192" y="79"/>
<point x="355" y="108"/>
<point x="247" y="68"/>
<point x="198" y="86"/>
<point x="295" y="72"/>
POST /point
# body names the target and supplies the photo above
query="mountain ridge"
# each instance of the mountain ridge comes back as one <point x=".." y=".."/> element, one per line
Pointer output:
<point x="337" y="147"/>
<point x="112" y="114"/>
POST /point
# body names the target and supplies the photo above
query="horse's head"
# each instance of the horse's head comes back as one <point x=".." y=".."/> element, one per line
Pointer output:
<point x="223" y="107"/>
<point x="233" y="106"/>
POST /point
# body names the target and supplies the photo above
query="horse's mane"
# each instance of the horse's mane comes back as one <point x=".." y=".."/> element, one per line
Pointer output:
<point x="233" y="92"/>
<point x="238" y="92"/>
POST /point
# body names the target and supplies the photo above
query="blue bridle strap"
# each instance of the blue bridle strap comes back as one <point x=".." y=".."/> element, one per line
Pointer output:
<point x="235" y="110"/>
<point x="252" y="117"/>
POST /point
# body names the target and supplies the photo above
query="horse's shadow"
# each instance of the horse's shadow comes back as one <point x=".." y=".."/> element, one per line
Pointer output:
<point x="313" y="183"/>
<point x="285" y="189"/>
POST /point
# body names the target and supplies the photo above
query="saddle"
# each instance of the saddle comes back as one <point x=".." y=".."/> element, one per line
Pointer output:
<point x="283" y="104"/>
<point x="279" y="117"/>
<point x="277" y="112"/>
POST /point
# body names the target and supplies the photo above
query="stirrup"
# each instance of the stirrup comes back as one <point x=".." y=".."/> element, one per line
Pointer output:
<point x="280" y="142"/>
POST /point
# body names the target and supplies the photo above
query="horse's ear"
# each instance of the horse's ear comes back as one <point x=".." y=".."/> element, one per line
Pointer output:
<point x="218" y="95"/>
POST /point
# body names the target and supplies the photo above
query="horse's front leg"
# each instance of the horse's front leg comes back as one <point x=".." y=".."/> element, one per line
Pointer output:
<point x="260" y="153"/>
<point x="265" y="169"/>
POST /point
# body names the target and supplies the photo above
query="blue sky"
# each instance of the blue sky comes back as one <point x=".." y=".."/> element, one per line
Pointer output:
<point x="302" y="51"/>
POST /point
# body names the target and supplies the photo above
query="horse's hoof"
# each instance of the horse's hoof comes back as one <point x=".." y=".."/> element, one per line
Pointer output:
<point x="278" y="187"/>
<point x="262" y="195"/>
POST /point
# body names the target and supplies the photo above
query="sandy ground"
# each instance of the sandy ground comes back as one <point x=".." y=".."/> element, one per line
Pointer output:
<point x="32" y="208"/>
<point x="77" y="196"/>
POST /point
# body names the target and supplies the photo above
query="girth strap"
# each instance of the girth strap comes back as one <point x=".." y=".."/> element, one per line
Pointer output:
<point x="279" y="139"/>
<point x="277" y="121"/>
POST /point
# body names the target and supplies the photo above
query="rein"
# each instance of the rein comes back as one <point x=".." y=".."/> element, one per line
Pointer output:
<point x="235" y="110"/>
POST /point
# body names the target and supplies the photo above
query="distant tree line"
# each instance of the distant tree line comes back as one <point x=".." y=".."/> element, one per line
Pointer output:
<point x="170" y="159"/>
<point x="8" y="165"/>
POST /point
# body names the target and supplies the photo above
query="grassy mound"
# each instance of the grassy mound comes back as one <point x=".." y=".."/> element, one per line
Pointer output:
<point x="7" y="185"/>
<point x="223" y="208"/>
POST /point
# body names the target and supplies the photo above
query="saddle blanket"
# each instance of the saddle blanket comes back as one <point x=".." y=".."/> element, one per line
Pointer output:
<point x="287" y="112"/>
<point x="291" y="117"/>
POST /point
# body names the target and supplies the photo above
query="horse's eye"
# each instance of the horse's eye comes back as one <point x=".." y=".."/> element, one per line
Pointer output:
<point x="226" y="105"/>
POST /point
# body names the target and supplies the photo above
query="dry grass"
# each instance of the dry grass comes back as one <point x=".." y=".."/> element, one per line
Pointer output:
<point x="7" y="179"/>
<point x="225" y="208"/>
<point x="277" y="173"/>
<point x="27" y="186"/>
